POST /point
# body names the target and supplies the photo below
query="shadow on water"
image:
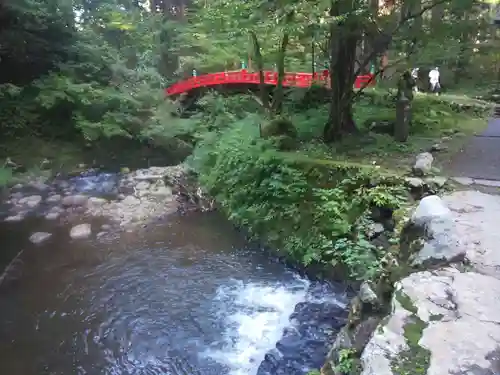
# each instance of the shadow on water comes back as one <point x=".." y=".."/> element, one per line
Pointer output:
<point x="115" y="153"/>
<point x="186" y="296"/>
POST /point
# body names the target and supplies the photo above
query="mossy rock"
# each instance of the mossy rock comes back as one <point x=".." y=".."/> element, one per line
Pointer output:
<point x="282" y="132"/>
<point x="279" y="127"/>
<point x="380" y="126"/>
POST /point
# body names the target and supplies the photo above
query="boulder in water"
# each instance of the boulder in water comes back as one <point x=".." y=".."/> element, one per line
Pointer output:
<point x="14" y="218"/>
<point x="54" y="198"/>
<point x="31" y="201"/>
<point x="39" y="237"/>
<point x="75" y="200"/>
<point x="80" y="231"/>
<point x="95" y="201"/>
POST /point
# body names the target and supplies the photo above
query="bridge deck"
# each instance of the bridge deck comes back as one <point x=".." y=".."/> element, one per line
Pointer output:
<point x="270" y="78"/>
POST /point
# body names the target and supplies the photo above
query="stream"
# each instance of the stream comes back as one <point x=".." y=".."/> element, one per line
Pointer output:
<point x="184" y="296"/>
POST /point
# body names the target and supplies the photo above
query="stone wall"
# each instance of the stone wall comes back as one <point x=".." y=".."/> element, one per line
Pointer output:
<point x="442" y="315"/>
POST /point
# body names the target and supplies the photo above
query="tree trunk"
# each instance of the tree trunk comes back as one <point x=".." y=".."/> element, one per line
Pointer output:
<point x="437" y="14"/>
<point x="344" y="39"/>
<point x="278" y="93"/>
<point x="264" y="97"/>
<point x="463" y="59"/>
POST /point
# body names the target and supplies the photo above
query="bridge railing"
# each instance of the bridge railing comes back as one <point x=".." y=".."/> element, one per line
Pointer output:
<point x="270" y="78"/>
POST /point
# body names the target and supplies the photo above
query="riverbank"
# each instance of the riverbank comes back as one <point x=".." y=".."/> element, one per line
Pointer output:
<point x="441" y="318"/>
<point x="316" y="209"/>
<point x="440" y="315"/>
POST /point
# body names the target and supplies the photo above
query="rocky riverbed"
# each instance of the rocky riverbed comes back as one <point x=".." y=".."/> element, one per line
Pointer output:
<point x="124" y="200"/>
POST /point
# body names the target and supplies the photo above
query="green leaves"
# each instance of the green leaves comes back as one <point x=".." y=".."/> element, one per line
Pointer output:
<point x="312" y="210"/>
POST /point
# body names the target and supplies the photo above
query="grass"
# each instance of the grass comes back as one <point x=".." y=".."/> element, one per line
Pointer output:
<point x="436" y="119"/>
<point x="31" y="152"/>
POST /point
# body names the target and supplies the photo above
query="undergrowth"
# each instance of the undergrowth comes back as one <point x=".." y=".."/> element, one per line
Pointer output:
<point x="312" y="203"/>
<point x="5" y="176"/>
<point x="313" y="212"/>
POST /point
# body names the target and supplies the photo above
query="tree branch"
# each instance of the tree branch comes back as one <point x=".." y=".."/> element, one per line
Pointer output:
<point x="400" y="24"/>
<point x="380" y="70"/>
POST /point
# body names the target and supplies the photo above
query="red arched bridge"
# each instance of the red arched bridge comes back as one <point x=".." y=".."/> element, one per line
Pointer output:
<point x="245" y="78"/>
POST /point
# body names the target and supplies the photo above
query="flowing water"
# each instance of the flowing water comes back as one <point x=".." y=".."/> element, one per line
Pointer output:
<point x="186" y="296"/>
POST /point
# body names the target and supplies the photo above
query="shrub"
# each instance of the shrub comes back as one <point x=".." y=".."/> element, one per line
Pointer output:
<point x="313" y="210"/>
<point x="5" y="176"/>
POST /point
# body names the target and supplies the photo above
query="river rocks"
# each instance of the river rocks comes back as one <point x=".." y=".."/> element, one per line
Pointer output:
<point x="144" y="196"/>
<point x="95" y="201"/>
<point x="56" y="198"/>
<point x="423" y="164"/>
<point x="139" y="196"/>
<point x="143" y="185"/>
<point x="80" y="231"/>
<point x="39" y="237"/>
<point x="31" y="201"/>
<point x="14" y="218"/>
<point x="75" y="200"/>
<point x="444" y="322"/>
<point x="367" y="295"/>
<point x="52" y="215"/>
<point x="39" y="185"/>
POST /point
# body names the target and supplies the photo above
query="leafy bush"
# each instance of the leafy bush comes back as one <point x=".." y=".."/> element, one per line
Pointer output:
<point x="5" y="176"/>
<point x="313" y="210"/>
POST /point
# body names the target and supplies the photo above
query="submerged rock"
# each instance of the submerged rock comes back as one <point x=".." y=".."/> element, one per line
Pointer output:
<point x="95" y="201"/>
<point x="54" y="198"/>
<point x="14" y="218"/>
<point x="75" y="200"/>
<point x="80" y="231"/>
<point x="52" y="215"/>
<point x="31" y="201"/>
<point x="39" y="237"/>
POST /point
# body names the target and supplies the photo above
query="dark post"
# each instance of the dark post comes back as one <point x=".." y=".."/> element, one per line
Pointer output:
<point x="403" y="114"/>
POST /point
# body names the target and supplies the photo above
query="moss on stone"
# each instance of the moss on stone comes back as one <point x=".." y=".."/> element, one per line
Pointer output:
<point x="405" y="302"/>
<point x="415" y="360"/>
<point x="436" y="317"/>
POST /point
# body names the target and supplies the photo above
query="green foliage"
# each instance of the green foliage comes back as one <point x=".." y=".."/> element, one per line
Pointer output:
<point x="5" y="176"/>
<point x="313" y="211"/>
<point x="104" y="83"/>
<point x="346" y="362"/>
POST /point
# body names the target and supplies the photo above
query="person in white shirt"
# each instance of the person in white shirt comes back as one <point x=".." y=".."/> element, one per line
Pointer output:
<point x="414" y="75"/>
<point x="434" y="80"/>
